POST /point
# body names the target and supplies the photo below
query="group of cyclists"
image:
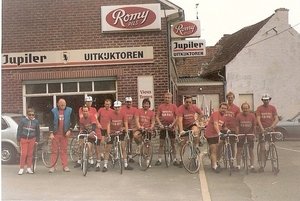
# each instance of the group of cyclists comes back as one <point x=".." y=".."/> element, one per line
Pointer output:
<point x="177" y="120"/>
<point x="131" y="121"/>
<point x="187" y="116"/>
<point x="229" y="119"/>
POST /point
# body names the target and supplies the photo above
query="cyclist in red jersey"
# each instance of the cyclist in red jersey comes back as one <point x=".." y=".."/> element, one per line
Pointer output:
<point x="230" y="115"/>
<point x="267" y="117"/>
<point x="245" y="124"/>
<point x="88" y="123"/>
<point x="213" y="130"/>
<point x="103" y="114"/>
<point x="130" y="111"/>
<point x="117" y="121"/>
<point x="93" y="111"/>
<point x="166" y="116"/>
<point x="144" y="118"/>
<point x="186" y="121"/>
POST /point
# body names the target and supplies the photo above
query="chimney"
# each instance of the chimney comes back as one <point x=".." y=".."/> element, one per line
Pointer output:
<point x="282" y="15"/>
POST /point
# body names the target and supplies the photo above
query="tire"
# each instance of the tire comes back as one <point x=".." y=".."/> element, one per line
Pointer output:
<point x="85" y="158"/>
<point x="246" y="159"/>
<point x="224" y="158"/>
<point x="258" y="155"/>
<point x="34" y="158"/>
<point x="229" y="158"/>
<point x="73" y="150"/>
<point x="8" y="154"/>
<point x="190" y="159"/>
<point x="48" y="153"/>
<point x="127" y="147"/>
<point x="168" y="152"/>
<point x="274" y="159"/>
<point x="145" y="157"/>
<point x="120" y="157"/>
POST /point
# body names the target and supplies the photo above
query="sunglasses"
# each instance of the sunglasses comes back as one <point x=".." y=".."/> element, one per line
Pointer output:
<point x="31" y="115"/>
<point x="188" y="101"/>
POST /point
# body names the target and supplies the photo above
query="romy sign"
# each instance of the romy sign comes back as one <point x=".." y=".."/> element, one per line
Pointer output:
<point x="130" y="18"/>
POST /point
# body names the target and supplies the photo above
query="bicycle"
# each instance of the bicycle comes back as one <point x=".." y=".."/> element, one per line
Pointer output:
<point x="245" y="152"/>
<point x="168" y="150"/>
<point x="145" y="150"/>
<point x="115" y="155"/>
<point x="74" y="150"/>
<point x="190" y="155"/>
<point x="85" y="150"/>
<point x="35" y="158"/>
<point x="128" y="144"/>
<point x="271" y="151"/>
<point x="227" y="157"/>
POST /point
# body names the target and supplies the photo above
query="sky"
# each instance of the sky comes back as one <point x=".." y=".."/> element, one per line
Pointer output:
<point x="219" y="17"/>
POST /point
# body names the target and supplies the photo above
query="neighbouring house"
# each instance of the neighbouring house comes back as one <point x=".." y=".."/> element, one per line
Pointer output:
<point x="261" y="58"/>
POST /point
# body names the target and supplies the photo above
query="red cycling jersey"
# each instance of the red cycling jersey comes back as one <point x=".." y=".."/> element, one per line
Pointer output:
<point x="210" y="131"/>
<point x="167" y="113"/>
<point x="230" y="116"/>
<point x="130" y="115"/>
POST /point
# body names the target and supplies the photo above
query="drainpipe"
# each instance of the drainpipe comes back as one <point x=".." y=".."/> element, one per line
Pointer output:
<point x="180" y="18"/>
<point x="224" y="83"/>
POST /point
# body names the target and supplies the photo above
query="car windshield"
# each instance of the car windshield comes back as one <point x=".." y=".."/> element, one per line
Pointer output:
<point x="296" y="117"/>
<point x="17" y="119"/>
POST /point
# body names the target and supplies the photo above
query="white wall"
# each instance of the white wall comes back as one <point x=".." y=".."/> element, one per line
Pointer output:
<point x="269" y="66"/>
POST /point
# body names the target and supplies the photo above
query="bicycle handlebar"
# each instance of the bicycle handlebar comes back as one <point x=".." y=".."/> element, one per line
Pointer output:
<point x="87" y="135"/>
<point x="278" y="135"/>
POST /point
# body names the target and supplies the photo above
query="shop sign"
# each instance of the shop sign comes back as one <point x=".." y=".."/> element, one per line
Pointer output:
<point x="87" y="57"/>
<point x="188" y="48"/>
<point x="186" y="29"/>
<point x="139" y="17"/>
<point x="145" y="90"/>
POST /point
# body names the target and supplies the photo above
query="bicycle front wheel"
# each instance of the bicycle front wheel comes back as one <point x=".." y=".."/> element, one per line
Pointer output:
<point x="230" y="158"/>
<point x="245" y="158"/>
<point x="258" y="156"/>
<point x="74" y="150"/>
<point x="120" y="157"/>
<point x="145" y="156"/>
<point x="34" y="158"/>
<point x="274" y="159"/>
<point x="168" y="152"/>
<point x="50" y="152"/>
<point x="85" y="158"/>
<point x="127" y="147"/>
<point x="190" y="158"/>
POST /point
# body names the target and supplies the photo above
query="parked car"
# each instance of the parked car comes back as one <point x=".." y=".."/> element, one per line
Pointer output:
<point x="10" y="151"/>
<point x="289" y="128"/>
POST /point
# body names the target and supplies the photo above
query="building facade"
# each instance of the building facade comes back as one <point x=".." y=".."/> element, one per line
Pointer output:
<point x="70" y="49"/>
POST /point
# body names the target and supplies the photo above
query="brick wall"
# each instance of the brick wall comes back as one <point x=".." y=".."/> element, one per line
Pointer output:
<point x="48" y="25"/>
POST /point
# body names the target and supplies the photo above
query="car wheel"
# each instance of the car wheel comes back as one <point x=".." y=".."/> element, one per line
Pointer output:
<point x="8" y="154"/>
<point x="284" y="133"/>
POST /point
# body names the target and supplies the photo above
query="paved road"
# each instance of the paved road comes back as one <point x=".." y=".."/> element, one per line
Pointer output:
<point x="159" y="183"/>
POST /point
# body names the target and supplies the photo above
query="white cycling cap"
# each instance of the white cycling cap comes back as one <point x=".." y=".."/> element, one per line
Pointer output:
<point x="266" y="97"/>
<point x="88" y="98"/>
<point x="128" y="99"/>
<point x="117" y="104"/>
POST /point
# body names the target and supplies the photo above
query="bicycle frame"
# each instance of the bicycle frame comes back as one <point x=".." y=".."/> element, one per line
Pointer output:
<point x="245" y="152"/>
<point x="168" y="150"/>
<point x="228" y="159"/>
<point x="116" y="154"/>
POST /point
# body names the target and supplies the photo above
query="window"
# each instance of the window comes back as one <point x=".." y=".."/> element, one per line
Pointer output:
<point x="44" y="96"/>
<point x="35" y="88"/>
